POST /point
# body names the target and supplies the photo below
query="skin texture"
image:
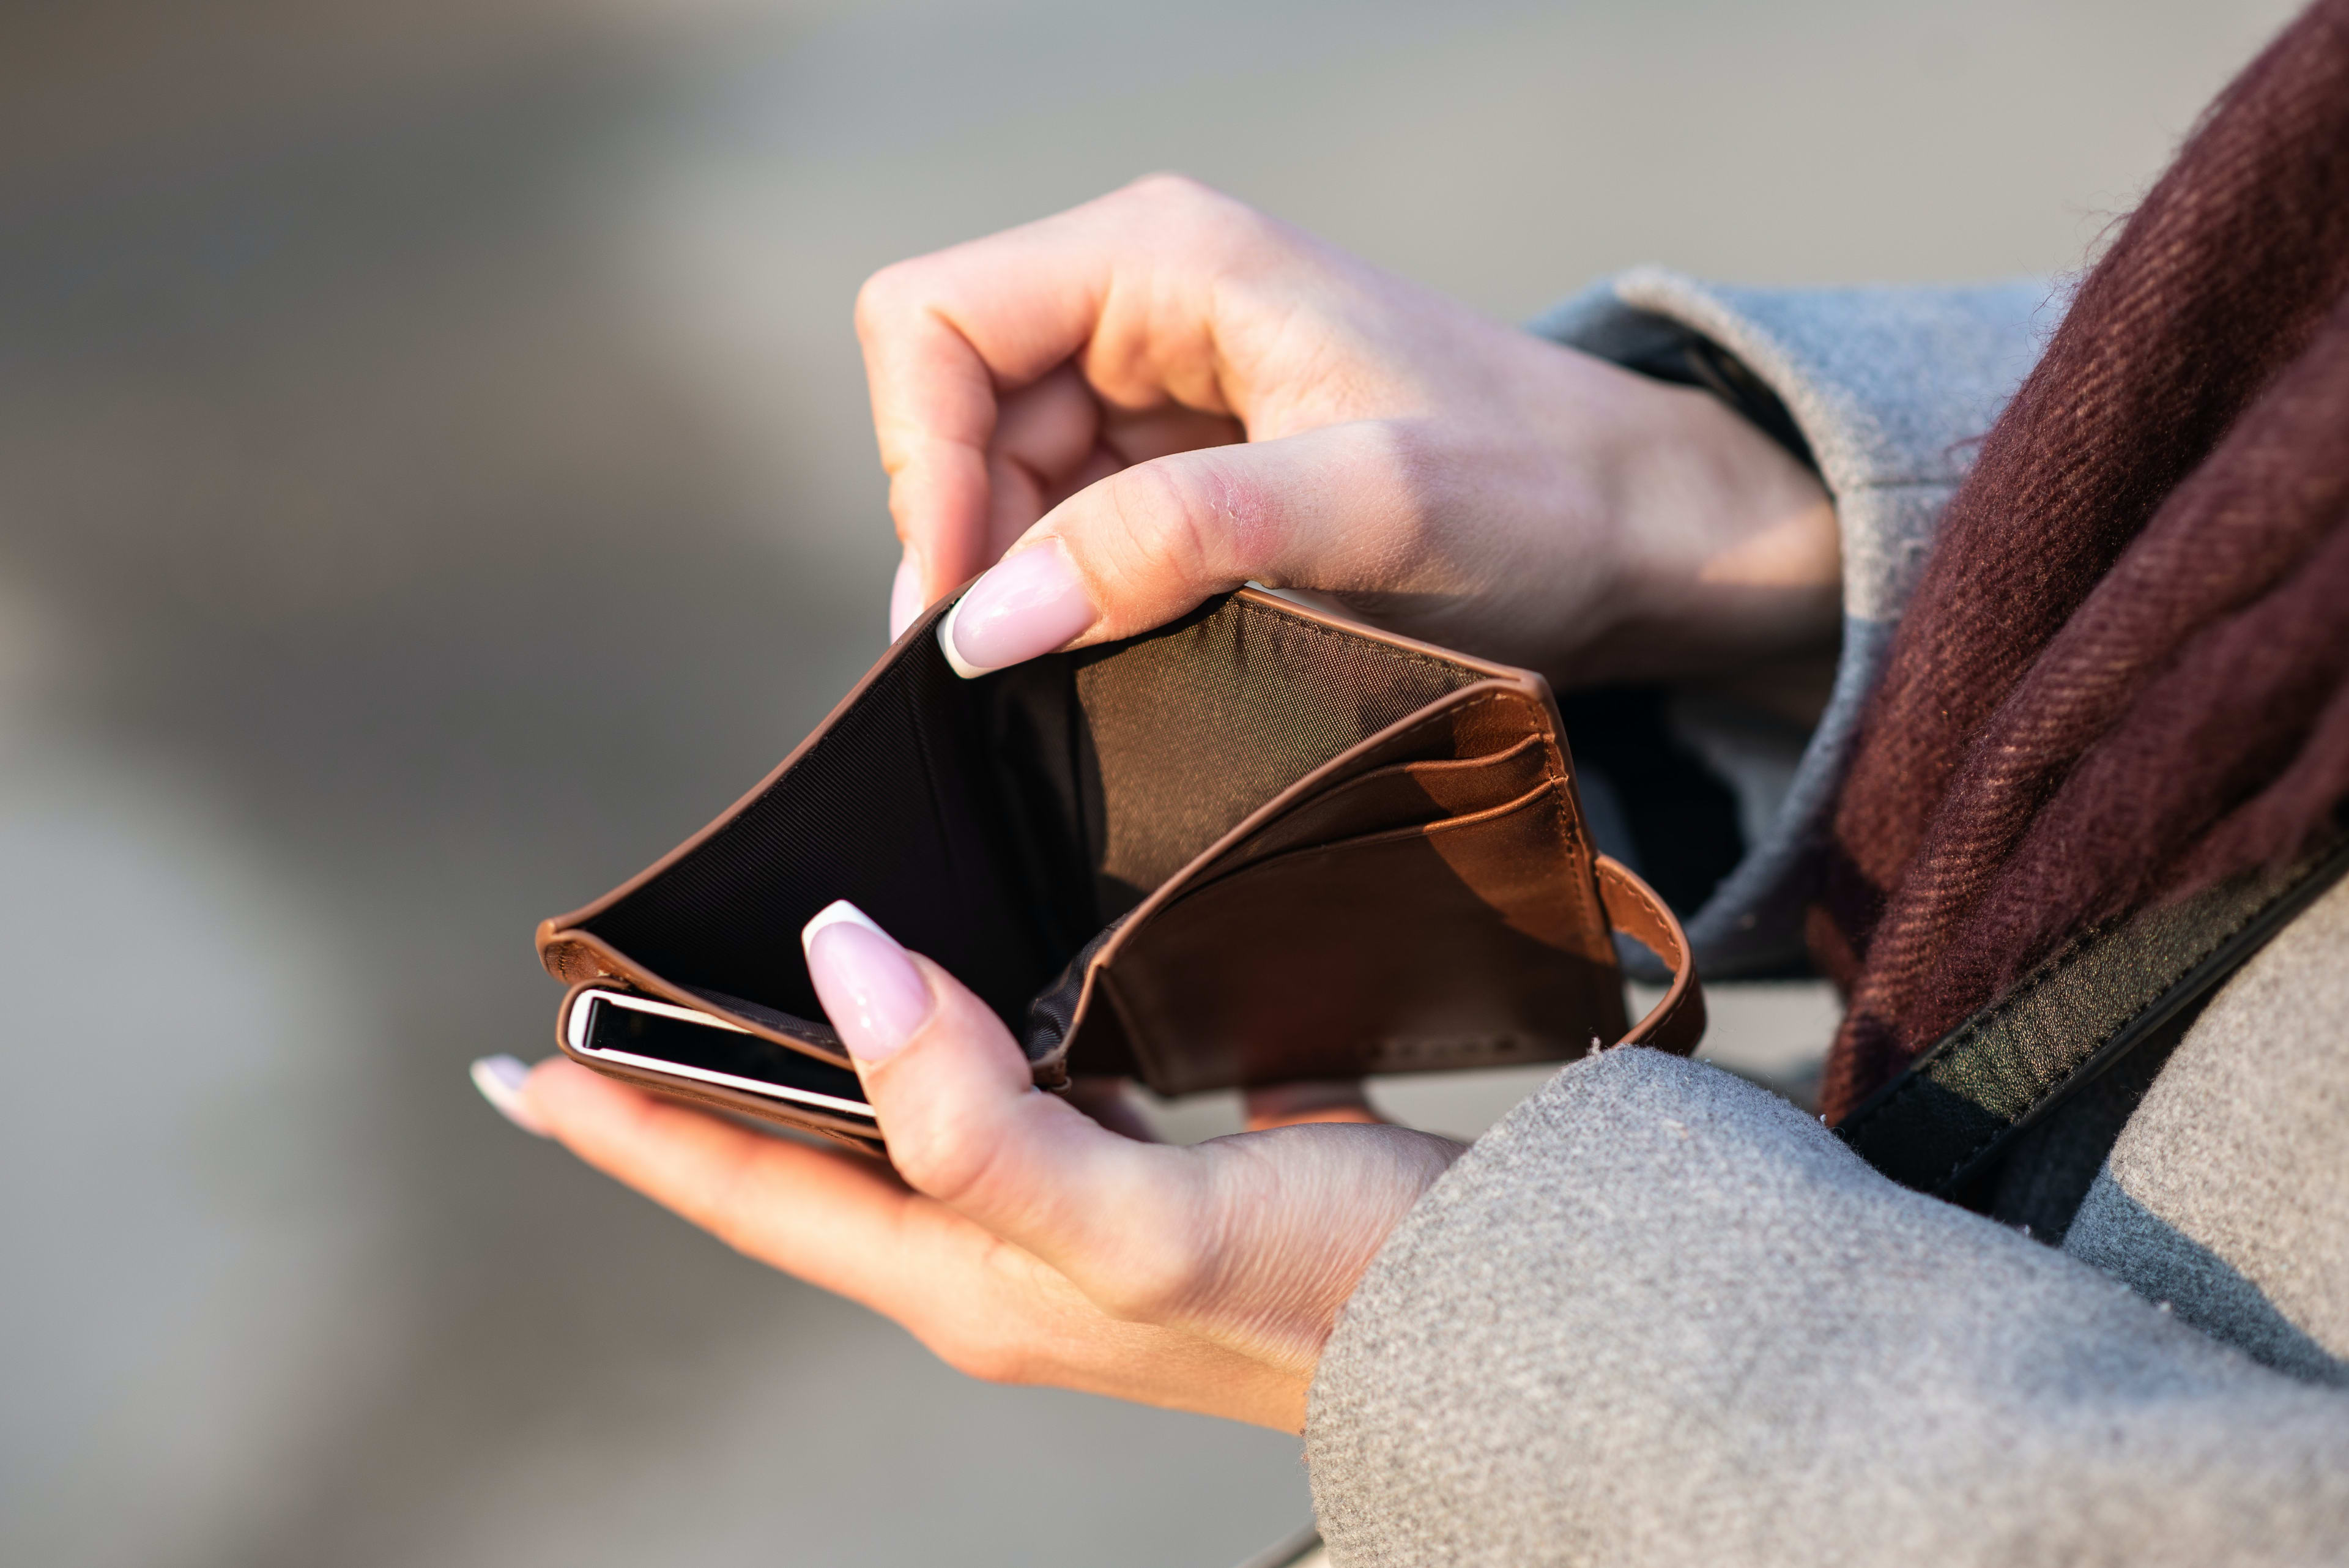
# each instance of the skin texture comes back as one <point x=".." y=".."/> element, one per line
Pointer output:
<point x="1187" y="395"/>
<point x="1084" y="378"/>
<point x="1022" y="1239"/>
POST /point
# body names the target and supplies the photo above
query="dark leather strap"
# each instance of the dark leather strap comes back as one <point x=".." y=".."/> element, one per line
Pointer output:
<point x="1676" y="1024"/>
<point x="2109" y="992"/>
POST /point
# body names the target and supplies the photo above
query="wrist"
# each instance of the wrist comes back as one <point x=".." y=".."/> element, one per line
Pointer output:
<point x="1726" y="548"/>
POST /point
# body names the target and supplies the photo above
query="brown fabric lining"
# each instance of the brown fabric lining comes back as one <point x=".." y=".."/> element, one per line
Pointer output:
<point x="1198" y="727"/>
<point x="1137" y="757"/>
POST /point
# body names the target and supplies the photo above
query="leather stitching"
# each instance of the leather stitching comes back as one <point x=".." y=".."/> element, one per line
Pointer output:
<point x="1571" y="844"/>
<point x="1640" y="894"/>
<point x="1655" y="911"/>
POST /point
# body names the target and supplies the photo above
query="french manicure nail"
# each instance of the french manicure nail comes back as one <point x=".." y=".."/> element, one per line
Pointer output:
<point x="500" y="1079"/>
<point x="905" y="598"/>
<point x="1029" y="603"/>
<point x="869" y="988"/>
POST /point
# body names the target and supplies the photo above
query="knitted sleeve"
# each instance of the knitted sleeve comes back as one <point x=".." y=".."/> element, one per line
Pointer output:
<point x="1889" y="388"/>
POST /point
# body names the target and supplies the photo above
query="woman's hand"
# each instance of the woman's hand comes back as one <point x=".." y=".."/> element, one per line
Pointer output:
<point x="1021" y="1239"/>
<point x="1071" y="392"/>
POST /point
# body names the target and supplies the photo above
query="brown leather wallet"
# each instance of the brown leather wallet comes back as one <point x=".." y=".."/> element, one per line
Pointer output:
<point x="1256" y="845"/>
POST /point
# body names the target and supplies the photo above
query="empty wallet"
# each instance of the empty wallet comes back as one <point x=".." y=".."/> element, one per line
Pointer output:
<point x="1257" y="845"/>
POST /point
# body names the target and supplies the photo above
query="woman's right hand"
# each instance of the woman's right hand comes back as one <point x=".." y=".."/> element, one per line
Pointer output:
<point x="1077" y="392"/>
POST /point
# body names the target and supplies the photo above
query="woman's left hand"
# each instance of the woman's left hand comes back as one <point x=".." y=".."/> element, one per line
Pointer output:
<point x="1021" y="1239"/>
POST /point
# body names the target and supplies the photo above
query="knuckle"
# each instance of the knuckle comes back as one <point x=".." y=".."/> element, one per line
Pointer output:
<point x="1242" y="513"/>
<point x="1406" y="453"/>
<point x="888" y="297"/>
<point x="1168" y="188"/>
<point x="1155" y="1280"/>
<point x="1196" y="520"/>
<point x="1160" y="523"/>
<point x="1192" y="209"/>
<point x="947" y="1163"/>
<point x="1412" y="474"/>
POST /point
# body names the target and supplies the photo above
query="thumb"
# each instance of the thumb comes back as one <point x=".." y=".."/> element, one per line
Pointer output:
<point x="967" y="1125"/>
<point x="1333" y="508"/>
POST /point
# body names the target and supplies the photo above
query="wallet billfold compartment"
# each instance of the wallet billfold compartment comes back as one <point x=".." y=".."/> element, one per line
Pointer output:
<point x="1256" y="845"/>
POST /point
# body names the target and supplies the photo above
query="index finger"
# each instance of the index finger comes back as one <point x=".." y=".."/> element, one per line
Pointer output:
<point x="1122" y="283"/>
<point x="944" y="336"/>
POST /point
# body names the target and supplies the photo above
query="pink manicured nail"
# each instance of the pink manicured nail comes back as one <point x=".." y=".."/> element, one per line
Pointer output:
<point x="1030" y="603"/>
<point x="905" y="598"/>
<point x="869" y="988"/>
<point x="500" y="1079"/>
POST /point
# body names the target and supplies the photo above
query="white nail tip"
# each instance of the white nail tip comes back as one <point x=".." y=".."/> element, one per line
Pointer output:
<point x="905" y="604"/>
<point x="834" y="913"/>
<point x="500" y="1080"/>
<point x="962" y="667"/>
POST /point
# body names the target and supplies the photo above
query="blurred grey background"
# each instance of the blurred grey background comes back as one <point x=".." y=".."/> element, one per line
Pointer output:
<point x="434" y="476"/>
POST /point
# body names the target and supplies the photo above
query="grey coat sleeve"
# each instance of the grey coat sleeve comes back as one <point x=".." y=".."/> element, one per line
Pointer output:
<point x="1892" y="386"/>
<point x="1660" y="1317"/>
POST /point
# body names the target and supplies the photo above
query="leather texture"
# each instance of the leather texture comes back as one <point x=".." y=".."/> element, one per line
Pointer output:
<point x="1257" y="845"/>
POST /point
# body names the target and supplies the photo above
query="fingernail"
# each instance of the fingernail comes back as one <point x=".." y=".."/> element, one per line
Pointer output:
<point x="905" y="598"/>
<point x="869" y="988"/>
<point x="1031" y="603"/>
<point x="500" y="1079"/>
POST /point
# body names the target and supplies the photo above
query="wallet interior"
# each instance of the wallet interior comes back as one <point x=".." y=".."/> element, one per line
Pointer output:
<point x="1000" y="824"/>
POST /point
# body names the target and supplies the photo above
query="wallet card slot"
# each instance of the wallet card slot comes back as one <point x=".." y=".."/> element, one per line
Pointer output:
<point x="1485" y="746"/>
<point x="1475" y="940"/>
<point x="1432" y="832"/>
<point x="1202" y="722"/>
<point x="1399" y="796"/>
<point x="1404" y="780"/>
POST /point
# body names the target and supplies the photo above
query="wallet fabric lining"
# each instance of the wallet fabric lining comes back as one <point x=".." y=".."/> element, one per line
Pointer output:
<point x="1003" y="824"/>
<point x="1199" y="724"/>
<point x="1251" y="845"/>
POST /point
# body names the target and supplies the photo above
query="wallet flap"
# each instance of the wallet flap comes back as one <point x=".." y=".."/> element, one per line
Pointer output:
<point x="998" y="824"/>
<point x="1073" y="1027"/>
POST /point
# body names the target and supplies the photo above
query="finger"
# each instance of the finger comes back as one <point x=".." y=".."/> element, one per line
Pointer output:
<point x="1107" y="1102"/>
<point x="1125" y="282"/>
<point x="967" y="1125"/>
<point x="905" y="601"/>
<point x="1044" y="435"/>
<point x="1293" y="1104"/>
<point x="1339" y="508"/>
<point x="840" y="1222"/>
<point x="1054" y="438"/>
<point x="821" y="1214"/>
<point x="941" y="336"/>
<point x="1137" y="435"/>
